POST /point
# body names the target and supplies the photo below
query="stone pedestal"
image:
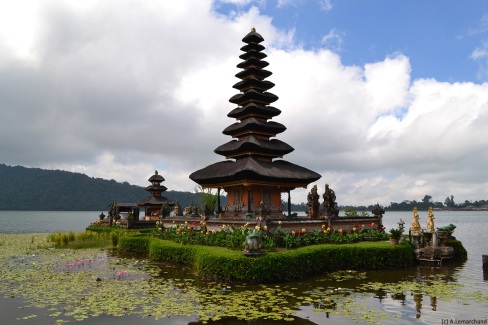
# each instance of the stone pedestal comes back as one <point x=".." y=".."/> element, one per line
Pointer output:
<point x="415" y="240"/>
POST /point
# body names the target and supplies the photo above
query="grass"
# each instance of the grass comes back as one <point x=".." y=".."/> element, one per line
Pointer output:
<point x="83" y="240"/>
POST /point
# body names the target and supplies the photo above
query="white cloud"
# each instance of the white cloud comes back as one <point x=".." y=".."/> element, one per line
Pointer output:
<point x="119" y="89"/>
<point x="392" y="74"/>
<point x="325" y="5"/>
<point x="334" y="40"/>
<point x="480" y="52"/>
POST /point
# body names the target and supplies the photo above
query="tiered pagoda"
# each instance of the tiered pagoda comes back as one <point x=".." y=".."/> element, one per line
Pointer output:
<point x="155" y="203"/>
<point x="253" y="176"/>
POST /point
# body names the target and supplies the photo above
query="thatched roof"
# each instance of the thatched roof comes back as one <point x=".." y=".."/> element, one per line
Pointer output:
<point x="154" y="201"/>
<point x="251" y="169"/>
<point x="273" y="147"/>
<point x="255" y="126"/>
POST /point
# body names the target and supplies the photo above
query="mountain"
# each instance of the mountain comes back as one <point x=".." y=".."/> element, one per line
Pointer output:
<point x="30" y="189"/>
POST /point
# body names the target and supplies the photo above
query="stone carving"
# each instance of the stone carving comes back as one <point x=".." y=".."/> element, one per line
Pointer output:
<point x="430" y="221"/>
<point x="330" y="204"/>
<point x="164" y="212"/>
<point x="187" y="211"/>
<point x="415" y="222"/>
<point x="113" y="212"/>
<point x="177" y="211"/>
<point x="378" y="210"/>
<point x="313" y="204"/>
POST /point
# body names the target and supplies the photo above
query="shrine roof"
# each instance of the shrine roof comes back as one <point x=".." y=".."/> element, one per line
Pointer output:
<point x="251" y="169"/>
<point x="253" y="144"/>
<point x="156" y="177"/>
<point x="253" y="95"/>
<point x="253" y="37"/>
<point x="254" y="109"/>
<point x="253" y="82"/>
<point x="154" y="201"/>
<point x="254" y="125"/>
<point x="160" y="188"/>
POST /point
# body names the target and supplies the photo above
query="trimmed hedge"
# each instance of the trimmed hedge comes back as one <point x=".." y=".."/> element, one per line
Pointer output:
<point x="135" y="244"/>
<point x="216" y="263"/>
<point x="460" y="253"/>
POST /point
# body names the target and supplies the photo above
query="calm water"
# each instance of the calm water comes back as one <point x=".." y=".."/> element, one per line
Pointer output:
<point x="412" y="309"/>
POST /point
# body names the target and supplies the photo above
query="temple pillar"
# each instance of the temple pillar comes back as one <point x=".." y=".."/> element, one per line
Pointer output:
<point x="248" y="199"/>
<point x="289" y="204"/>
<point x="218" y="201"/>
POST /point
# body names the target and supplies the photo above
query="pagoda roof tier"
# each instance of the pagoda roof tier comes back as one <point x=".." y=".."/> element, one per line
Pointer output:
<point x="249" y="171"/>
<point x="253" y="62"/>
<point x="251" y="95"/>
<point x="252" y="145"/>
<point x="156" y="177"/>
<point x="254" y="109"/>
<point x="156" y="188"/>
<point x="154" y="201"/>
<point x="253" y="72"/>
<point x="253" y="83"/>
<point x="253" y="125"/>
<point x="253" y="37"/>
<point x="252" y="47"/>
<point x="252" y="54"/>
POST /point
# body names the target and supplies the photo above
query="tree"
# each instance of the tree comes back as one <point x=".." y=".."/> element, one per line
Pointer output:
<point x="449" y="202"/>
<point x="427" y="199"/>
<point x="207" y="197"/>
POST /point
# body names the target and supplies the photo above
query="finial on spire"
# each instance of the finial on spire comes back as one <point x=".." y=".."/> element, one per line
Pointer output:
<point x="253" y="30"/>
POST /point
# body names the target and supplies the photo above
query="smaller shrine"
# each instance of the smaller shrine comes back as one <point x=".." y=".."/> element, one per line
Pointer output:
<point x="155" y="205"/>
<point x="430" y="244"/>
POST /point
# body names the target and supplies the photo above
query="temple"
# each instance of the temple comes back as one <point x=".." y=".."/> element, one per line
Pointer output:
<point x="253" y="175"/>
<point x="155" y="203"/>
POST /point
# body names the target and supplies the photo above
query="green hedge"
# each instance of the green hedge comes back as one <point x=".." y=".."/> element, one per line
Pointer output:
<point x="135" y="244"/>
<point x="460" y="253"/>
<point x="217" y="263"/>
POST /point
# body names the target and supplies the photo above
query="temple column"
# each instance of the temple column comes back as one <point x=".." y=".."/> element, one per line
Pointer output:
<point x="218" y="200"/>
<point x="289" y="204"/>
<point x="248" y="199"/>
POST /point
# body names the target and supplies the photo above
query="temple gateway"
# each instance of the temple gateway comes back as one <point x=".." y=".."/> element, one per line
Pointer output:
<point x="252" y="175"/>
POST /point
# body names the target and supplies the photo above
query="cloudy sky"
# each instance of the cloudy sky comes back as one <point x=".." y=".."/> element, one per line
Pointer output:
<point x="387" y="100"/>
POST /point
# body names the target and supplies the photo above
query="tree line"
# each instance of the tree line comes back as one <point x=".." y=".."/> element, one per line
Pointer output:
<point x="30" y="189"/>
<point x="408" y="205"/>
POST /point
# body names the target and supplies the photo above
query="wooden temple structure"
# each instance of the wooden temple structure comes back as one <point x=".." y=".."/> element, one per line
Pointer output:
<point x="252" y="175"/>
<point x="155" y="204"/>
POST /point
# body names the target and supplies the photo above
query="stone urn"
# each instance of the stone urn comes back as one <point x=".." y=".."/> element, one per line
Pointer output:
<point x="252" y="246"/>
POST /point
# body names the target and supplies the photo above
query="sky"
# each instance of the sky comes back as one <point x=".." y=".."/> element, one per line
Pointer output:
<point x="386" y="100"/>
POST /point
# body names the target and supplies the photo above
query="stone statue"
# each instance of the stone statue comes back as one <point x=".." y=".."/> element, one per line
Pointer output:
<point x="263" y="211"/>
<point x="330" y="204"/>
<point x="430" y="221"/>
<point x="164" y="210"/>
<point x="415" y="222"/>
<point x="206" y="212"/>
<point x="187" y="211"/>
<point x="313" y="203"/>
<point x="113" y="212"/>
<point x="177" y="210"/>
<point x="378" y="210"/>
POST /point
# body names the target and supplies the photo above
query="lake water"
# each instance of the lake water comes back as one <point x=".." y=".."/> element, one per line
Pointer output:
<point x="410" y="308"/>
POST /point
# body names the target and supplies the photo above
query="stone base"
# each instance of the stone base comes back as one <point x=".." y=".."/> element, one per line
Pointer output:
<point x="433" y="256"/>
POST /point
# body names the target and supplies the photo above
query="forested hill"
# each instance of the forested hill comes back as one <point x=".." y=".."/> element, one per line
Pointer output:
<point x="24" y="188"/>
